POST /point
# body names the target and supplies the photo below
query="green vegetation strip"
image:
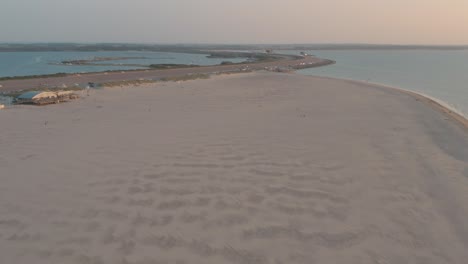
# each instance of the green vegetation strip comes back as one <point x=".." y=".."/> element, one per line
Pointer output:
<point x="125" y="83"/>
<point x="165" y="79"/>
<point x="60" y="74"/>
<point x="172" y="66"/>
<point x="187" y="77"/>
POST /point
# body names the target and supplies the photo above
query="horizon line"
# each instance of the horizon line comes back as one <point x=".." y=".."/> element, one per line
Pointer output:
<point x="240" y="44"/>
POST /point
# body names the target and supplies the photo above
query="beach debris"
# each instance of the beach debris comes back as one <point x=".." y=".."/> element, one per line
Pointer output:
<point x="45" y="97"/>
<point x="64" y="96"/>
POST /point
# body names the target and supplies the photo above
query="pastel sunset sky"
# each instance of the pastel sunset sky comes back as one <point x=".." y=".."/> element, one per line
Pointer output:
<point x="236" y="21"/>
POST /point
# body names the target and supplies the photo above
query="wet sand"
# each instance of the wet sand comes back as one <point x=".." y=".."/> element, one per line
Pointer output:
<point x="251" y="168"/>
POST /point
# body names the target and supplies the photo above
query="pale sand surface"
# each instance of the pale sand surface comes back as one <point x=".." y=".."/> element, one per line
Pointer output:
<point x="254" y="168"/>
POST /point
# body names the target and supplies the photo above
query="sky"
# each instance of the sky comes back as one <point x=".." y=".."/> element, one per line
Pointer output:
<point x="429" y="22"/>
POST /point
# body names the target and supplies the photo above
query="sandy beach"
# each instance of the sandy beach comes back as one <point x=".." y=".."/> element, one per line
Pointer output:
<point x="244" y="168"/>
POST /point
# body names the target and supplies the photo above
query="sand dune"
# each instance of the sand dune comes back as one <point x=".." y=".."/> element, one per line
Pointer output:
<point x="254" y="168"/>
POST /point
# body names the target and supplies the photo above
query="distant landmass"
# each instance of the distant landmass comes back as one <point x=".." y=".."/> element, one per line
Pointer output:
<point x="197" y="48"/>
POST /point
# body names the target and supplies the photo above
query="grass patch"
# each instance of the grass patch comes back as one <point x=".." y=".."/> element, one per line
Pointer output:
<point x="187" y="77"/>
<point x="125" y="83"/>
<point x="233" y="72"/>
<point x="165" y="79"/>
<point x="171" y="66"/>
<point x="60" y="74"/>
<point x="251" y="57"/>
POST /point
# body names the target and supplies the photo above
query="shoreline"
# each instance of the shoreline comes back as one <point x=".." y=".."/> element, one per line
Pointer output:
<point x="432" y="102"/>
<point x="437" y="104"/>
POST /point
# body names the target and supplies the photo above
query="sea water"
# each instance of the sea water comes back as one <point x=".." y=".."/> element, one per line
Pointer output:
<point x="442" y="75"/>
<point x="38" y="63"/>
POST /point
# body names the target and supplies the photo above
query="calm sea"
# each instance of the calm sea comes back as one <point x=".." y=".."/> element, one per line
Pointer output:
<point x="35" y="63"/>
<point x="442" y="75"/>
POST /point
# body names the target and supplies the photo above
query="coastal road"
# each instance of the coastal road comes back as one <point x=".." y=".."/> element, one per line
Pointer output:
<point x="72" y="79"/>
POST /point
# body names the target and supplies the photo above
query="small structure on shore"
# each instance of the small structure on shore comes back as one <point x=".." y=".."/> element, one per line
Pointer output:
<point x="43" y="97"/>
<point x="64" y="96"/>
<point x="2" y="106"/>
<point x="36" y="97"/>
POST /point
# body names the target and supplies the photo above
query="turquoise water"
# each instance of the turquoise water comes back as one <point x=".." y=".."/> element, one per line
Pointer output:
<point x="36" y="63"/>
<point x="442" y="75"/>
